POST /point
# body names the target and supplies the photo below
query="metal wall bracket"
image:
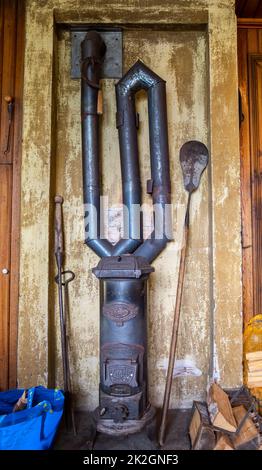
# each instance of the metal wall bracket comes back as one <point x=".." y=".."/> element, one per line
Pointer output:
<point x="112" y="65"/>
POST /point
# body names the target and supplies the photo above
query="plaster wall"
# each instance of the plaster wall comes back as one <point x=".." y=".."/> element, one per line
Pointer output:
<point x="198" y="63"/>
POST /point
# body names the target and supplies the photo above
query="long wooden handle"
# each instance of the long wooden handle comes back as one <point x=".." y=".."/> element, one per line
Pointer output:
<point x="59" y="239"/>
<point x="173" y="345"/>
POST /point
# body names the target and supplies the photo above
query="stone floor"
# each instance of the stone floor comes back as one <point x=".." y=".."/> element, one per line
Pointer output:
<point x="176" y="436"/>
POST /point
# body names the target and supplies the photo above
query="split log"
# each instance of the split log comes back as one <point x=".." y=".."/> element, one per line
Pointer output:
<point x="254" y="366"/>
<point x="201" y="432"/>
<point x="220" y="409"/>
<point x="248" y="437"/>
<point x="254" y="356"/>
<point x="223" y="442"/>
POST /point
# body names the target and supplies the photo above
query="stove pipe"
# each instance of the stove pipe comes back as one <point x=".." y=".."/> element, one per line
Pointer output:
<point x="124" y="268"/>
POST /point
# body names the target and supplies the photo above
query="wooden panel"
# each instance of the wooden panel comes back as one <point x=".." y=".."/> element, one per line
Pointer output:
<point x="245" y="180"/>
<point x="255" y="91"/>
<point x="1" y="48"/>
<point x="248" y="8"/>
<point x="5" y="229"/>
<point x="252" y="40"/>
<point x="259" y="10"/>
<point x="250" y="83"/>
<point x="7" y="85"/>
<point x="11" y="83"/>
<point x="240" y="4"/>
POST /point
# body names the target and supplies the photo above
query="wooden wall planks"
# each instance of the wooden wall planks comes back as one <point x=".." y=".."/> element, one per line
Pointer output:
<point x="5" y="232"/>
<point x="250" y="83"/>
<point x="11" y="83"/>
<point x="249" y="8"/>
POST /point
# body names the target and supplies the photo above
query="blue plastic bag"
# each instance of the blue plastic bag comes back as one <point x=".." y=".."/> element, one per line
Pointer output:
<point x="33" y="428"/>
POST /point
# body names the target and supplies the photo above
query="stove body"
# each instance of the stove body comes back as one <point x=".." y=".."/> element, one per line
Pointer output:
<point x="123" y="336"/>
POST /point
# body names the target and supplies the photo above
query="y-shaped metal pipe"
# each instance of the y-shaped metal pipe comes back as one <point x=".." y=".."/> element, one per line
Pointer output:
<point x="137" y="78"/>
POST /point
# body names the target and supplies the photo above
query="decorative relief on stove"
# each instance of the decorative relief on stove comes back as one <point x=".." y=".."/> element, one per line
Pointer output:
<point x="125" y="373"/>
<point x="120" y="312"/>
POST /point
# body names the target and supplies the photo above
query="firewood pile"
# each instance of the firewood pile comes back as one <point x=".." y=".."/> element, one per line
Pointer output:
<point x="227" y="421"/>
<point x="254" y="369"/>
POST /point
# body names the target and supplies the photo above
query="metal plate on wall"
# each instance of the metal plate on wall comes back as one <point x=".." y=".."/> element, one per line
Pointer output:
<point x="112" y="65"/>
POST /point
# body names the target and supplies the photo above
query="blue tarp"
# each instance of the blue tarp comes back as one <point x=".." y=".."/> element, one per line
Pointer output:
<point x="33" y="428"/>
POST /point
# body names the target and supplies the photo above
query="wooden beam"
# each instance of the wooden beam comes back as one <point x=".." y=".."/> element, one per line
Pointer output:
<point x="249" y="22"/>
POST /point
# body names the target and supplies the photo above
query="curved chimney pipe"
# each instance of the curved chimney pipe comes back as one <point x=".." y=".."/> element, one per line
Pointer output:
<point x="137" y="78"/>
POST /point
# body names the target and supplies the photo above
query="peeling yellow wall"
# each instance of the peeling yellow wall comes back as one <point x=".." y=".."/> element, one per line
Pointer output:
<point x="199" y="66"/>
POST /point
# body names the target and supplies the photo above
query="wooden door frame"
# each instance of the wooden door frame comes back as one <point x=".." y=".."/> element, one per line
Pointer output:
<point x="16" y="73"/>
<point x="16" y="197"/>
<point x="246" y="169"/>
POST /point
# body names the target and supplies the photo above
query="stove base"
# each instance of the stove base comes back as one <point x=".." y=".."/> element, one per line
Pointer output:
<point x="108" y="426"/>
